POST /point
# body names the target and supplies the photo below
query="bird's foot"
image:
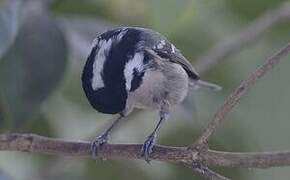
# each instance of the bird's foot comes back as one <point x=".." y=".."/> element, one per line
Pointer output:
<point x="148" y="147"/>
<point x="97" y="143"/>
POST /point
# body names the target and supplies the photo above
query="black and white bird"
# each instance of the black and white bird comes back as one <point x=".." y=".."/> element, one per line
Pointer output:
<point x="133" y="67"/>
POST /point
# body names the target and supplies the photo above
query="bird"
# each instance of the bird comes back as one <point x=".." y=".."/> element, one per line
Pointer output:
<point x="136" y="68"/>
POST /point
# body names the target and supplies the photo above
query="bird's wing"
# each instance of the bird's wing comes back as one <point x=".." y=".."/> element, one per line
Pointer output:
<point x="168" y="51"/>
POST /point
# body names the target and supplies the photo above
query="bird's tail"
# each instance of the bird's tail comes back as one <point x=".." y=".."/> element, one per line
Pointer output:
<point x="203" y="84"/>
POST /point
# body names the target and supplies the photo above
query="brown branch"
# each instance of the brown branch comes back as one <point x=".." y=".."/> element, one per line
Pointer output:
<point x="242" y="89"/>
<point x="247" y="160"/>
<point x="34" y="143"/>
<point x="190" y="158"/>
<point x="244" y="37"/>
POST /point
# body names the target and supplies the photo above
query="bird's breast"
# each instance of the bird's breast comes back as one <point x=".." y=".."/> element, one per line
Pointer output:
<point x="169" y="82"/>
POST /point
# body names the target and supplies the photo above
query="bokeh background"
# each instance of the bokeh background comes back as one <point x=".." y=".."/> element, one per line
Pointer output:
<point x="44" y="45"/>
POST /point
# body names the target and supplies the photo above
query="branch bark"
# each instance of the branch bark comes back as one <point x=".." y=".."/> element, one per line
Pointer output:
<point x="34" y="143"/>
<point x="246" y="36"/>
<point x="239" y="92"/>
<point x="39" y="144"/>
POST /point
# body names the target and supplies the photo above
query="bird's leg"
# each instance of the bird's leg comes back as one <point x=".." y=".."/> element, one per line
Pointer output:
<point x="150" y="141"/>
<point x="103" y="137"/>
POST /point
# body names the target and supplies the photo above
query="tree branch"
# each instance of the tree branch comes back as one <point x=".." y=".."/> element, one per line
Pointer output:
<point x="34" y="143"/>
<point x="236" y="95"/>
<point x="246" y="160"/>
<point x="190" y="158"/>
<point x="246" y="36"/>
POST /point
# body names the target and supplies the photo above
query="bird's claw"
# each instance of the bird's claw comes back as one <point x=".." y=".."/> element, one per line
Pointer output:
<point x="148" y="147"/>
<point x="97" y="143"/>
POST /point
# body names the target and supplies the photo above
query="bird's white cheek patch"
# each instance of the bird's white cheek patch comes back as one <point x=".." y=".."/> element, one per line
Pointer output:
<point x="121" y="34"/>
<point x="135" y="63"/>
<point x="97" y="81"/>
<point x="172" y="48"/>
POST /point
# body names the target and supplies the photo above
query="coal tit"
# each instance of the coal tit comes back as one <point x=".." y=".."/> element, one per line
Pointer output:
<point x="133" y="67"/>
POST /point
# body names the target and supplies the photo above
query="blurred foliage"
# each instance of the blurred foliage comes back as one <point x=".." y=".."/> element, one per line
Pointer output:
<point x="241" y="9"/>
<point x="85" y="7"/>
<point x="72" y="91"/>
<point x="35" y="46"/>
<point x="4" y="176"/>
<point x="40" y="125"/>
<point x="31" y="69"/>
<point x="9" y="12"/>
<point x="121" y="169"/>
<point x="251" y="9"/>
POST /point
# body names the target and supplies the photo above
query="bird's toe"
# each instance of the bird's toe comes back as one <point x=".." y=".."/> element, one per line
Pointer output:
<point x="147" y="148"/>
<point x="96" y="145"/>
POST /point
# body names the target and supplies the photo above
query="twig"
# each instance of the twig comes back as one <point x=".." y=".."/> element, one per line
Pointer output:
<point x="206" y="172"/>
<point x="244" y="37"/>
<point x="236" y="95"/>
